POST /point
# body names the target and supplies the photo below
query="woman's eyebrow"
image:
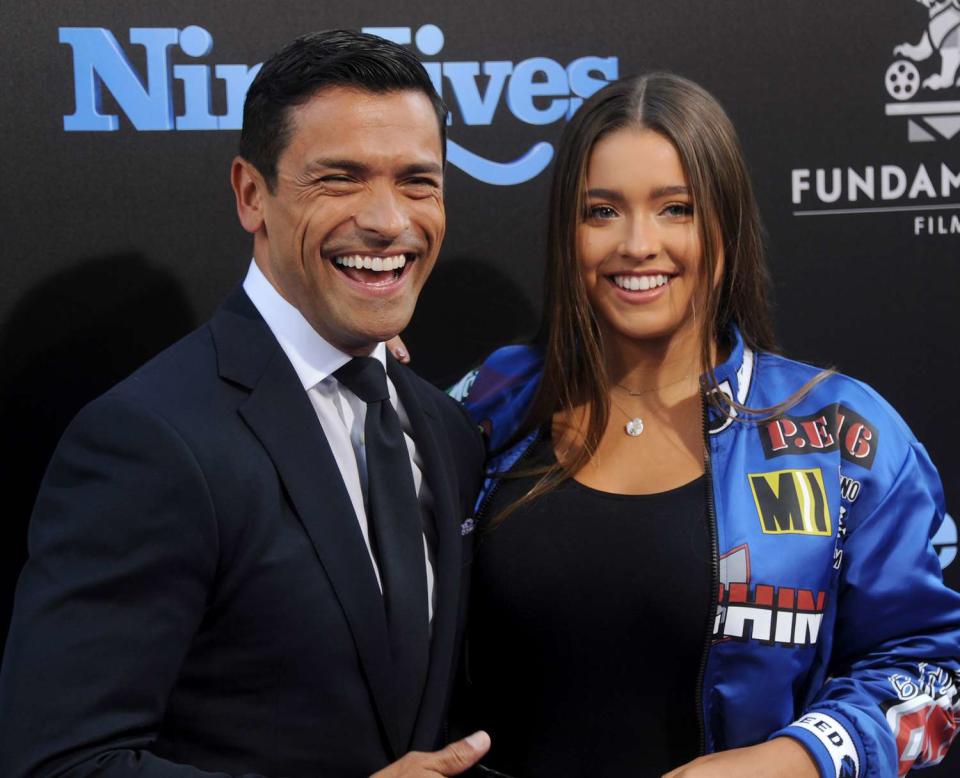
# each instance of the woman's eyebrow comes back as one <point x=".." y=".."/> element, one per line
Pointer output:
<point x="666" y="191"/>
<point x="661" y="191"/>
<point x="605" y="194"/>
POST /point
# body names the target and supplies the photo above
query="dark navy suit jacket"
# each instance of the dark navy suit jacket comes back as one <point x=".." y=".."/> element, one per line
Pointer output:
<point x="199" y="599"/>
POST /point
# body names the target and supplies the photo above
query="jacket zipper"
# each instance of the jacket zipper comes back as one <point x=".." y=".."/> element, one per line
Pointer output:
<point x="496" y="484"/>
<point x="714" y="573"/>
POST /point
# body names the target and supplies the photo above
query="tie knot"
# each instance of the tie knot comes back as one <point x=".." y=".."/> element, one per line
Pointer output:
<point x="365" y="377"/>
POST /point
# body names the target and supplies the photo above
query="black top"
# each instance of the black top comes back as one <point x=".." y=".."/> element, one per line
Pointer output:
<point x="587" y="627"/>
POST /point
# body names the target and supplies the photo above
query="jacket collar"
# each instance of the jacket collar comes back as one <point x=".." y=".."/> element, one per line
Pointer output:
<point x="243" y="342"/>
<point x="734" y="379"/>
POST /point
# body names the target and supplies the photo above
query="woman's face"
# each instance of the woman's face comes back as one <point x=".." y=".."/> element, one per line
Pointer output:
<point x="639" y="247"/>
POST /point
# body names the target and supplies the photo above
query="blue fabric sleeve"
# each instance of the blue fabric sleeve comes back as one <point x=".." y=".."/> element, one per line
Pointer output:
<point x="891" y="702"/>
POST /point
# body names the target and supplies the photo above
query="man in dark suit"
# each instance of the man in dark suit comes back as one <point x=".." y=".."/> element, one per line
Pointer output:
<point x="247" y="558"/>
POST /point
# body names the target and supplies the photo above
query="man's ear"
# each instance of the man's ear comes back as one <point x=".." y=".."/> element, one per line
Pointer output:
<point x="249" y="188"/>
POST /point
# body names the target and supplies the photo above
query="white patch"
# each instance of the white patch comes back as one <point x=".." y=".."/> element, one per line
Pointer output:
<point x="744" y="377"/>
<point x="835" y="739"/>
<point x="461" y="389"/>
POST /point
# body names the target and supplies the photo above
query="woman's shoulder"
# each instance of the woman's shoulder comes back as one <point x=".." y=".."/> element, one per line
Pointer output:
<point x="502" y="369"/>
<point x="868" y="430"/>
<point x="499" y="392"/>
<point x="777" y="374"/>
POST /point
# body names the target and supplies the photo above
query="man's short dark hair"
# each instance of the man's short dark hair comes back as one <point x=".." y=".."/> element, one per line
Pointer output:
<point x="308" y="64"/>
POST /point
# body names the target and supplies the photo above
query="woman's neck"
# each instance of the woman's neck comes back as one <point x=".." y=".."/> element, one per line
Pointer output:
<point x="651" y="365"/>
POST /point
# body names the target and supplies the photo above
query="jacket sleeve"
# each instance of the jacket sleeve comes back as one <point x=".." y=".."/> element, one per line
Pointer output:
<point x="891" y="700"/>
<point x="498" y="394"/>
<point x="123" y="552"/>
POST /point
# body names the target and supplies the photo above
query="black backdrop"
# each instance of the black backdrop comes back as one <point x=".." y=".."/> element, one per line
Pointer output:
<point x="117" y="242"/>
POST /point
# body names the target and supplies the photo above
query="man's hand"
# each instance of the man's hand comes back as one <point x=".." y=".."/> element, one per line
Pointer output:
<point x="455" y="759"/>
<point x="782" y="757"/>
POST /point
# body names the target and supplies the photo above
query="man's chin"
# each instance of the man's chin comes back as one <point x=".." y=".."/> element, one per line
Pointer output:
<point x="361" y="343"/>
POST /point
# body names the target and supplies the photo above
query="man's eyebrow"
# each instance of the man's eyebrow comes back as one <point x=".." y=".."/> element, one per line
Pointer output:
<point x="419" y="168"/>
<point x="360" y="169"/>
<point x="349" y="165"/>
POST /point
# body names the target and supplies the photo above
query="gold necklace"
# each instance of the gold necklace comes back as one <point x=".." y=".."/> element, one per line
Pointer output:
<point x="632" y="393"/>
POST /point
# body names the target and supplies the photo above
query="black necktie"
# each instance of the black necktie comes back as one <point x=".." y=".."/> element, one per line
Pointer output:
<point x="396" y="533"/>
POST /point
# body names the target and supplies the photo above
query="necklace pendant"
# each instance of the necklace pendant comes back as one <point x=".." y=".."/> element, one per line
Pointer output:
<point x="634" y="427"/>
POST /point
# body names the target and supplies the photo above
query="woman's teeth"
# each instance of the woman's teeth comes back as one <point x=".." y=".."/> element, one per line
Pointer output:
<point x="640" y="283"/>
<point x="378" y="264"/>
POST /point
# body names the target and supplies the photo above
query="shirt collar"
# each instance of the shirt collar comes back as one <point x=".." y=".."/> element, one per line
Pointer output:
<point x="313" y="358"/>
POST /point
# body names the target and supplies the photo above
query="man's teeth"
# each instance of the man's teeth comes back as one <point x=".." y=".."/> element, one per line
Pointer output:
<point x="378" y="264"/>
<point x="640" y="283"/>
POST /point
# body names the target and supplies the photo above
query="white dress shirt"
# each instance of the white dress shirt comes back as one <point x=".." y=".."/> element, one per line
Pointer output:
<point x="340" y="412"/>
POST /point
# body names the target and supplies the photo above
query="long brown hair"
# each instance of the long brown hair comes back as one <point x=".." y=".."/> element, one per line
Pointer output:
<point x="728" y="223"/>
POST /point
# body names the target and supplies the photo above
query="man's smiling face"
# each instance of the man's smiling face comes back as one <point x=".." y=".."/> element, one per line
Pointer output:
<point x="354" y="223"/>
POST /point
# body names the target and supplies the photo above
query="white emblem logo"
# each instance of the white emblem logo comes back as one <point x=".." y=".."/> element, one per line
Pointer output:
<point x="904" y="80"/>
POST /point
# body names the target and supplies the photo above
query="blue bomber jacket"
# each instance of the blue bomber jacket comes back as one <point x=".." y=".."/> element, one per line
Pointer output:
<point x="832" y="623"/>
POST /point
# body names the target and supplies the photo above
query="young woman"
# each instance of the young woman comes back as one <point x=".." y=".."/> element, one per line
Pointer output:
<point x="689" y="544"/>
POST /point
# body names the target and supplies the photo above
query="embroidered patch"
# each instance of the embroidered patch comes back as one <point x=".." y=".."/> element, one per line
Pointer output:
<point x="829" y="429"/>
<point x="792" y="502"/>
<point x="770" y="615"/>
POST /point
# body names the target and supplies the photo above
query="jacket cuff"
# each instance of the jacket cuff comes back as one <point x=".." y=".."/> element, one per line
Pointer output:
<point x="831" y="741"/>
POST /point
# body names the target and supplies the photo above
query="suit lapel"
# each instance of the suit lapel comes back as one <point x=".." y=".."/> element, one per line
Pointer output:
<point x="440" y="476"/>
<point x="279" y="413"/>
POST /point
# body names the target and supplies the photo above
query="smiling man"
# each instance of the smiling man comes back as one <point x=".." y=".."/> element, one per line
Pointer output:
<point x="246" y="559"/>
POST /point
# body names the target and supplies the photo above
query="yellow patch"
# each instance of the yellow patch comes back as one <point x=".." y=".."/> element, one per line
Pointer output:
<point x="792" y="502"/>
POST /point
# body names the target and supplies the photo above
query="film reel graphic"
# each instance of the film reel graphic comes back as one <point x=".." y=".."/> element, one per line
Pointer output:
<point x="902" y="80"/>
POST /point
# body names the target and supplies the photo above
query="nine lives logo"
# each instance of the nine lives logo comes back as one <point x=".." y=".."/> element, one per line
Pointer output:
<point x="922" y="87"/>
<point x="536" y="91"/>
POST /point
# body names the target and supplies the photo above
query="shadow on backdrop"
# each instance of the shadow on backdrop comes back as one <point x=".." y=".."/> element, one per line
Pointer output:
<point x="466" y="310"/>
<point x="68" y="340"/>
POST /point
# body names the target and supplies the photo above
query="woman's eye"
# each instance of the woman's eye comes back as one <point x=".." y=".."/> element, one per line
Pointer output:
<point x="601" y="212"/>
<point x="679" y="210"/>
